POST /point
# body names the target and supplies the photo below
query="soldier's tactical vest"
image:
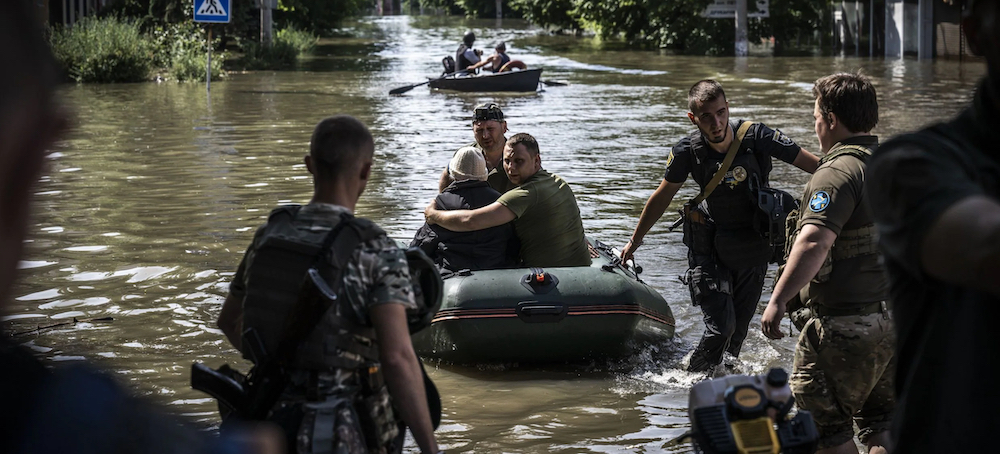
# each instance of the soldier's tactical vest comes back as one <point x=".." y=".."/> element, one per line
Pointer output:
<point x="732" y="205"/>
<point x="850" y="243"/>
<point x="460" y="60"/>
<point x="284" y="254"/>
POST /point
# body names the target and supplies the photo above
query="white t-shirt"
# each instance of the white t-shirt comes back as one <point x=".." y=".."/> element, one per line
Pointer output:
<point x="470" y="54"/>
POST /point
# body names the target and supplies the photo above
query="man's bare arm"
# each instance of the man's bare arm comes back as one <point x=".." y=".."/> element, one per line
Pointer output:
<point x="488" y="216"/>
<point x="811" y="247"/>
<point x="651" y="212"/>
<point x="231" y="320"/>
<point x="806" y="161"/>
<point x="963" y="245"/>
<point x="402" y="373"/>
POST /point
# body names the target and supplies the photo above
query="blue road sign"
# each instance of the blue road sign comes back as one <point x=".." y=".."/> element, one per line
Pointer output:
<point x="217" y="11"/>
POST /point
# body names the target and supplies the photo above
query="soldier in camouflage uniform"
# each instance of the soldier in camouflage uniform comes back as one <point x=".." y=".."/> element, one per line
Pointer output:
<point x="844" y="362"/>
<point x="321" y="409"/>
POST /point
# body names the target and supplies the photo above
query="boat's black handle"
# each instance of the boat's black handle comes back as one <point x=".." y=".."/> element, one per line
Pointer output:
<point x="535" y="312"/>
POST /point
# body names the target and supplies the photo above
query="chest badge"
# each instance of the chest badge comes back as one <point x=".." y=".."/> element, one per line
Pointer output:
<point x="739" y="174"/>
<point x="819" y="201"/>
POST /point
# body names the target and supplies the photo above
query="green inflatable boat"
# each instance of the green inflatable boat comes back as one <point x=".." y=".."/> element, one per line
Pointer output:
<point x="531" y="315"/>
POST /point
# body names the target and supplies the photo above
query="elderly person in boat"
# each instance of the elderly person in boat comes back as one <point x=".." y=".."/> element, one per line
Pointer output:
<point x="476" y="250"/>
<point x="542" y="206"/>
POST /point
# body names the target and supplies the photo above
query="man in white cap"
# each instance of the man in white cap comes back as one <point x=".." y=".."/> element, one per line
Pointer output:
<point x="477" y="250"/>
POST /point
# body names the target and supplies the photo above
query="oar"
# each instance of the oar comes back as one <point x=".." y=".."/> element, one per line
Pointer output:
<point x="396" y="91"/>
<point x="552" y="83"/>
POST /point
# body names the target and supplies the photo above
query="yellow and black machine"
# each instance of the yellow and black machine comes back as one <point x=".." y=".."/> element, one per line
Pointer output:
<point x="749" y="414"/>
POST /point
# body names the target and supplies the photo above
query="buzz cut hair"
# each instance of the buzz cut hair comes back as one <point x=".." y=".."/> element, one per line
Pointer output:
<point x="704" y="91"/>
<point x="525" y="139"/>
<point x="850" y="96"/>
<point x="339" y="144"/>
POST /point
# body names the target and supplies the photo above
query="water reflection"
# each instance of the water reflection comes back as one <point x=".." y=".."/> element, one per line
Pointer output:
<point x="154" y="197"/>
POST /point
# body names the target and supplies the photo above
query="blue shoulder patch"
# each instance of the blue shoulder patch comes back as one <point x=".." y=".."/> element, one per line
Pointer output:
<point x="819" y="201"/>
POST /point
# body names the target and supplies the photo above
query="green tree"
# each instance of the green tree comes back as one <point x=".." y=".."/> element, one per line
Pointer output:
<point x="317" y="16"/>
<point x="555" y="14"/>
<point x="795" y="21"/>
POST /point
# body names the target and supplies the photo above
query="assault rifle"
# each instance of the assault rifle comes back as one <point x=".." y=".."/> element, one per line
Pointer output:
<point x="252" y="397"/>
<point x="243" y="398"/>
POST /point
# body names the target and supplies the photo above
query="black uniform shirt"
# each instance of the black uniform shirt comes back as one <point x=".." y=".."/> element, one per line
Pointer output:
<point x="759" y="139"/>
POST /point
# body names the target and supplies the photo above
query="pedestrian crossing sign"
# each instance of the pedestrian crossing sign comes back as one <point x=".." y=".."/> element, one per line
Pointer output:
<point x="216" y="11"/>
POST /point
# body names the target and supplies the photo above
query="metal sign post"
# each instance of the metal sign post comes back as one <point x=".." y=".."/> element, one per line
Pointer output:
<point x="211" y="12"/>
<point x="208" y="64"/>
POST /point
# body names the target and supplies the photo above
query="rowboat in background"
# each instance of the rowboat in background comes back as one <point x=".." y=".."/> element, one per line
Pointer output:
<point x="526" y="80"/>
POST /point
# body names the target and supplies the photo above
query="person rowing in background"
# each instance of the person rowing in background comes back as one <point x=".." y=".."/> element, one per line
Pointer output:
<point x="465" y="55"/>
<point x="499" y="61"/>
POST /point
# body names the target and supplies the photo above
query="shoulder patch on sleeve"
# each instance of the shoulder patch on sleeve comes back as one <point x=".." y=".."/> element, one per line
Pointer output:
<point x="819" y="201"/>
<point x="782" y="139"/>
<point x="670" y="157"/>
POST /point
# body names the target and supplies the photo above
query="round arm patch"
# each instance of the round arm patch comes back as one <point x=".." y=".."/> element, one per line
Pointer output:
<point x="819" y="201"/>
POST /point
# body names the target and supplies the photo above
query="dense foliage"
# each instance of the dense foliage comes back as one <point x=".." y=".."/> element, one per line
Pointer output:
<point x="317" y="16"/>
<point x="103" y="50"/>
<point x="283" y="52"/>
<point x="109" y="49"/>
<point x="674" y="24"/>
<point x="555" y="14"/>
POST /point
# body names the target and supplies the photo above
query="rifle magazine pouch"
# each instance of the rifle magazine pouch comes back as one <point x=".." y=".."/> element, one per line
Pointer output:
<point x="330" y="426"/>
<point x="699" y="237"/>
<point x="377" y="419"/>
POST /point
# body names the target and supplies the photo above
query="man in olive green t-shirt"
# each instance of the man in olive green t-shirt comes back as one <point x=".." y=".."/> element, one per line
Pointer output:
<point x="844" y="360"/>
<point x="542" y="206"/>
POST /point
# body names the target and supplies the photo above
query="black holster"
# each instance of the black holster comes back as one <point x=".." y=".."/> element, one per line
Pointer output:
<point x="699" y="231"/>
<point x="703" y="279"/>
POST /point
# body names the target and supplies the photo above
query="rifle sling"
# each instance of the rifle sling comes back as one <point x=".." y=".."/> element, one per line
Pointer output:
<point x="726" y="163"/>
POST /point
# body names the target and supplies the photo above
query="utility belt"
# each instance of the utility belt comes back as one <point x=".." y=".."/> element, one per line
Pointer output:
<point x="882" y="307"/>
<point x="363" y="394"/>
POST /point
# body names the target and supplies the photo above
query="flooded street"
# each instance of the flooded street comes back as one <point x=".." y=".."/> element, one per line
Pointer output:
<point x="152" y="199"/>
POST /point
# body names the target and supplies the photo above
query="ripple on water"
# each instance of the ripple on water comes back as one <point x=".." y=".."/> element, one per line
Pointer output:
<point x="42" y="295"/>
<point x="86" y="248"/>
<point x="69" y="314"/>
<point x="94" y="301"/>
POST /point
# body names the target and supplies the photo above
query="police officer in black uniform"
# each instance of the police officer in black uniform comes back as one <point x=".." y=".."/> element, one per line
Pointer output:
<point x="727" y="250"/>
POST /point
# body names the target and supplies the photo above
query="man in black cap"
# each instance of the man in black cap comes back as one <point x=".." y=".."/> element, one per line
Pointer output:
<point x="489" y="127"/>
<point x="936" y="199"/>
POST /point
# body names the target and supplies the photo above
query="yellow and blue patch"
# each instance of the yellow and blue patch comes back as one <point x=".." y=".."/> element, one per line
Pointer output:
<point x="819" y="201"/>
